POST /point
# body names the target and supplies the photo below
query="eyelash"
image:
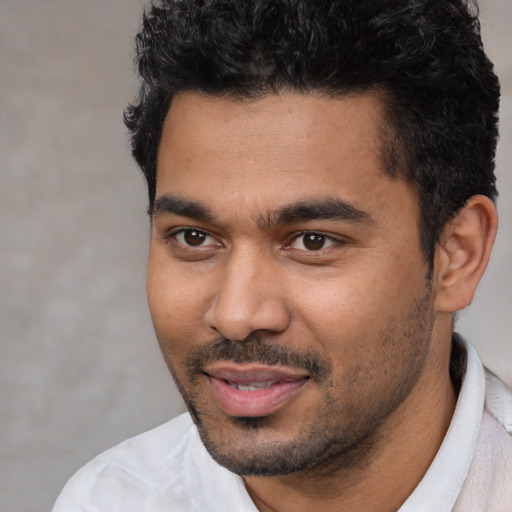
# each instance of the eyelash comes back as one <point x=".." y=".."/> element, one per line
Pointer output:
<point x="324" y="239"/>
<point x="173" y="235"/>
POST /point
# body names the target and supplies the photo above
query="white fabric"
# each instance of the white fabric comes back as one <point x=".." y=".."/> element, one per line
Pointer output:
<point x="168" y="469"/>
<point x="446" y="486"/>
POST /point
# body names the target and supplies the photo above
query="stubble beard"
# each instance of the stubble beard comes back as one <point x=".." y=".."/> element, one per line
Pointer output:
<point x="333" y="441"/>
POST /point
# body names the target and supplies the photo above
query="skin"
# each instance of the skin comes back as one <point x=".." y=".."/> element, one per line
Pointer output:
<point x="228" y="261"/>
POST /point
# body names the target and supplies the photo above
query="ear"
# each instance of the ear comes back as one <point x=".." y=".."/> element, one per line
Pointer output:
<point x="463" y="252"/>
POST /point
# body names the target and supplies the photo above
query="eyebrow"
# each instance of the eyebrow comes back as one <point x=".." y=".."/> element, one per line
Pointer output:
<point x="329" y="208"/>
<point x="169" y="204"/>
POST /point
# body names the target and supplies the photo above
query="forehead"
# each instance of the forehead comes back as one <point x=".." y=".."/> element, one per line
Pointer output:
<point x="270" y="151"/>
<point x="196" y="121"/>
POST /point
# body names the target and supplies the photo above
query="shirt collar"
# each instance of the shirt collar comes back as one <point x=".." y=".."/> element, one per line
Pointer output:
<point x="441" y="485"/>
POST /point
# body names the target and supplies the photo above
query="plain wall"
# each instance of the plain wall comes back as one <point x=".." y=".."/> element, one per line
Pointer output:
<point x="79" y="367"/>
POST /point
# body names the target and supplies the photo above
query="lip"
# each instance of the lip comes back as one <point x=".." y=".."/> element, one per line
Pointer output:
<point x="264" y="389"/>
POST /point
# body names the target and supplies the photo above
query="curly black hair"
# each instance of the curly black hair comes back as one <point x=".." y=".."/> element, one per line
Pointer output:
<point x="425" y="57"/>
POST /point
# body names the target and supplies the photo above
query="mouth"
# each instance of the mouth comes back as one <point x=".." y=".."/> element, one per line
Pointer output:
<point x="253" y="390"/>
<point x="254" y="386"/>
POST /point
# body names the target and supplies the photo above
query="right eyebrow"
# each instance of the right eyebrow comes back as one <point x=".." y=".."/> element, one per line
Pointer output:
<point x="175" y="205"/>
<point x="327" y="208"/>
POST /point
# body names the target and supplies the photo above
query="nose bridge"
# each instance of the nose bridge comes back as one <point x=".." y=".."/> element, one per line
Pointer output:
<point x="248" y="296"/>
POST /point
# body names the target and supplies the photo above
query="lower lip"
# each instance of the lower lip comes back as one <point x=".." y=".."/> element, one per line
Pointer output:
<point x="253" y="404"/>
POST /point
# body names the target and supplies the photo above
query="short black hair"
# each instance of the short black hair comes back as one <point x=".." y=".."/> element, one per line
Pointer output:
<point x="425" y="57"/>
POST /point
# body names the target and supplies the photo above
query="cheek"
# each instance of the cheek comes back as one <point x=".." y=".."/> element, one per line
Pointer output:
<point x="176" y="304"/>
<point x="350" y="314"/>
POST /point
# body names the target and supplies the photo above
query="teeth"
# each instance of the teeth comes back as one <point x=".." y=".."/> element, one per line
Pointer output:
<point x="252" y="386"/>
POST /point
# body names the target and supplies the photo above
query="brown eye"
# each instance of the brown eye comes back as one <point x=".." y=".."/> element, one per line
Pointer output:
<point x="193" y="244"/>
<point x="313" y="241"/>
<point x="193" y="237"/>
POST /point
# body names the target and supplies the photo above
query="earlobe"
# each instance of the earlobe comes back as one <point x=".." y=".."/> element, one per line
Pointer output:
<point x="463" y="252"/>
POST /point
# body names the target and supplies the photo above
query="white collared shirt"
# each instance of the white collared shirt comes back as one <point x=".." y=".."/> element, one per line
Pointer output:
<point x="445" y="486"/>
<point x="168" y="469"/>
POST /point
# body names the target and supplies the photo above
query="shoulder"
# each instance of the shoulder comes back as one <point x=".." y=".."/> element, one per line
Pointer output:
<point x="128" y="468"/>
<point x="498" y="400"/>
<point x="488" y="486"/>
<point x="157" y="471"/>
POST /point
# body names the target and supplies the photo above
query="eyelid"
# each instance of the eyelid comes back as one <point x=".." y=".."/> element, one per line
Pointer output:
<point x="335" y="240"/>
<point x="172" y="234"/>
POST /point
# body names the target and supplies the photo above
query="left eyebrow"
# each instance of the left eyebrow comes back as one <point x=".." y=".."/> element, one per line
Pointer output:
<point x="176" y="205"/>
<point x="330" y="208"/>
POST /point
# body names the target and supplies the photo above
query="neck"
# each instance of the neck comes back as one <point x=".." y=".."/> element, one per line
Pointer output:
<point x="401" y="451"/>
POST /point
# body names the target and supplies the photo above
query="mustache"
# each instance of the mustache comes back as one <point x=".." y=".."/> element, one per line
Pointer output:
<point x="256" y="348"/>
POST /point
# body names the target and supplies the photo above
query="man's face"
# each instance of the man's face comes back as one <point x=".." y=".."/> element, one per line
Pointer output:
<point x="286" y="283"/>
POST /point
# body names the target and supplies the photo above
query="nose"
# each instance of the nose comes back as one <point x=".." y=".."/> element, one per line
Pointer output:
<point x="248" y="297"/>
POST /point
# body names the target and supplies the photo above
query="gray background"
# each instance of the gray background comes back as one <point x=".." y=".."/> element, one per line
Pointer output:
<point x="79" y="367"/>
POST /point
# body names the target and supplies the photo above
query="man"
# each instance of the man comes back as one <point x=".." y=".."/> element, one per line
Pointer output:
<point x="321" y="188"/>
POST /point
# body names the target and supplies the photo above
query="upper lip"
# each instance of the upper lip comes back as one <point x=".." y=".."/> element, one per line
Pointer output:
<point x="240" y="373"/>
